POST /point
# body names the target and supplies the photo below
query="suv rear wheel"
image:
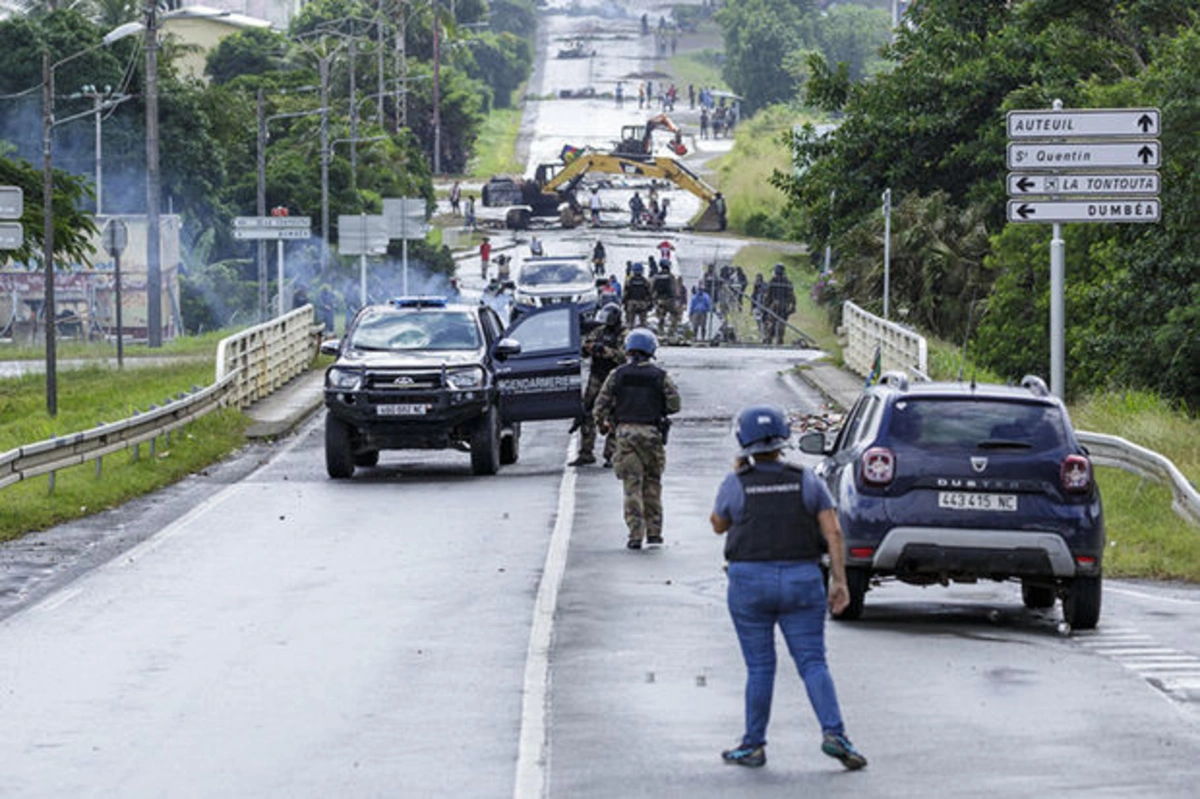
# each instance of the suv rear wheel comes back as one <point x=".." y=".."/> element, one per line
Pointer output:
<point x="1081" y="606"/>
<point x="485" y="443"/>
<point x="510" y="445"/>
<point x="857" y="581"/>
<point x="339" y="448"/>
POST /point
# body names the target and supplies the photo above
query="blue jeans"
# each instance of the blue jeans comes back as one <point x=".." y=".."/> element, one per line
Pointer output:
<point x="791" y="594"/>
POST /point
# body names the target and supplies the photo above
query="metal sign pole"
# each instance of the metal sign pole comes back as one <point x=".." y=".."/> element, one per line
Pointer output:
<point x="279" y="250"/>
<point x="362" y="280"/>
<point x="120" y="326"/>
<point x="1057" y="312"/>
<point x="404" y="250"/>
<point x="887" y="248"/>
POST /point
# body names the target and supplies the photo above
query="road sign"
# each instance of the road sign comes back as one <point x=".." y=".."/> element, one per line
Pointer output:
<point x="12" y="235"/>
<point x="362" y="234"/>
<point x="1084" y="123"/>
<point x="12" y="202"/>
<point x="115" y="237"/>
<point x="1127" y="210"/>
<point x="405" y="217"/>
<point x="272" y="222"/>
<point x="246" y="233"/>
<point x="1022" y="184"/>
<point x="1084" y="155"/>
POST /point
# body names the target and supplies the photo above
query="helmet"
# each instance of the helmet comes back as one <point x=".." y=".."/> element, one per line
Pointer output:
<point x="638" y="268"/>
<point x="778" y="269"/>
<point x="641" y="340"/>
<point x="761" y="428"/>
<point x="664" y="265"/>
<point x="610" y="315"/>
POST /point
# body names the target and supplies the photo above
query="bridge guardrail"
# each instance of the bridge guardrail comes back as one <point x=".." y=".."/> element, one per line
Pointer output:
<point x="1115" y="451"/>
<point x="250" y="365"/>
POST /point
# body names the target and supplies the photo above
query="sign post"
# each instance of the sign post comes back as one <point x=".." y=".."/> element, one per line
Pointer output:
<point x="12" y="206"/>
<point x="115" y="239"/>
<point x="1069" y="156"/>
<point x="278" y="228"/>
<point x="405" y="220"/>
<point x="362" y="235"/>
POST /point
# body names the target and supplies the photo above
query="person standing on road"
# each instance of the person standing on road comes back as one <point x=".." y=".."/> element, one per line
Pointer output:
<point x="636" y="208"/>
<point x="780" y="519"/>
<point x="634" y="403"/>
<point x="604" y="346"/>
<point x="535" y="246"/>
<point x="455" y="198"/>
<point x="485" y="257"/>
<point x="594" y="206"/>
<point x="781" y="303"/>
<point x="637" y="299"/>
<point x="599" y="256"/>
<point x="698" y="310"/>
<point x="665" y="309"/>
<point x="469" y="215"/>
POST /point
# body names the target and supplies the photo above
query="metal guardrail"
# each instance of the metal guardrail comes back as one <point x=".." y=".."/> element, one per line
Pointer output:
<point x="250" y="365"/>
<point x="49" y="456"/>
<point x="1115" y="451"/>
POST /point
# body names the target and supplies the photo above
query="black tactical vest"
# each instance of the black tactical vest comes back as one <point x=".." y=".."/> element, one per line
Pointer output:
<point x="664" y="287"/>
<point x="640" y="398"/>
<point x="637" y="289"/>
<point x="775" y="525"/>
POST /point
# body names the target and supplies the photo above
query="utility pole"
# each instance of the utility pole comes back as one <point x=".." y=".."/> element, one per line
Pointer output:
<point x="325" y="161"/>
<point x="353" y="118"/>
<point x="48" y="300"/>
<point x="437" y="99"/>
<point x="261" y="207"/>
<point x="153" y="185"/>
<point x="887" y="248"/>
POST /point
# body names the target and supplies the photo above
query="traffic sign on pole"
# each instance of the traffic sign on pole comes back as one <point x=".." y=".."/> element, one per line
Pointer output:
<point x="12" y="202"/>
<point x="1084" y="155"/>
<point x="246" y="234"/>
<point x="272" y="222"/>
<point x="1123" y="210"/>
<point x="1084" y="123"/>
<point x="1146" y="184"/>
<point x="12" y="235"/>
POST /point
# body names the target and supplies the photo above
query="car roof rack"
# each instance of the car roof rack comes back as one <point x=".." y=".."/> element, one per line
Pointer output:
<point x="1035" y="384"/>
<point x="419" y="301"/>
<point x="895" y="378"/>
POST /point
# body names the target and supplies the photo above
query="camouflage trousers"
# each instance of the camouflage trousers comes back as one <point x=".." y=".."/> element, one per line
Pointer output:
<point x="668" y="316"/>
<point x="638" y="464"/>
<point x="636" y="312"/>
<point x="587" y="427"/>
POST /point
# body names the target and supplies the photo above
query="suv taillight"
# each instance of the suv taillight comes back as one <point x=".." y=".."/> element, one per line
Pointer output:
<point x="1076" y="475"/>
<point x="878" y="466"/>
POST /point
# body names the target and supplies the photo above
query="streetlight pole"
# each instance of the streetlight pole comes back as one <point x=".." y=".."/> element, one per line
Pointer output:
<point x="48" y="300"/>
<point x="153" y="184"/>
<point x="325" y="161"/>
<point x="437" y="99"/>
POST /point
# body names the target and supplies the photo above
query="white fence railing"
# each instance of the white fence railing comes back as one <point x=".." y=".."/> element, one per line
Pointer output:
<point x="250" y="365"/>
<point x="899" y="347"/>
<point x="1115" y="451"/>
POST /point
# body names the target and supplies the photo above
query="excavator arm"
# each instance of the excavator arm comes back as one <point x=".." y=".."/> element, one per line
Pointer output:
<point x="561" y="181"/>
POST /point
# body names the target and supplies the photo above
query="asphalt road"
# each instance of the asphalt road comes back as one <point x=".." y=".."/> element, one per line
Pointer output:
<point x="263" y="631"/>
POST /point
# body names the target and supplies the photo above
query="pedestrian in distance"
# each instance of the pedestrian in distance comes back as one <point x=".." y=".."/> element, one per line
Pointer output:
<point x="594" y="205"/>
<point x="469" y="215"/>
<point x="637" y="298"/>
<point x="637" y="207"/>
<point x="698" y="310"/>
<point x="455" y="198"/>
<point x="603" y="347"/>
<point x="599" y="256"/>
<point x="780" y="304"/>
<point x="634" y="403"/>
<point x="780" y="519"/>
<point x="485" y="257"/>
<point x="535" y="246"/>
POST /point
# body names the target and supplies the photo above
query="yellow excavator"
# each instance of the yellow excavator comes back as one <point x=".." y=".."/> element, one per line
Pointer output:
<point x="556" y="184"/>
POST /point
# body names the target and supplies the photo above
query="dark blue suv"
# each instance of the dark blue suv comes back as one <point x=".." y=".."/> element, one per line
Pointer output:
<point x="959" y="482"/>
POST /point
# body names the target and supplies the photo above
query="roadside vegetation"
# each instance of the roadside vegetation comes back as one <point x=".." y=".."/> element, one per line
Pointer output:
<point x="94" y="395"/>
<point x="496" y="148"/>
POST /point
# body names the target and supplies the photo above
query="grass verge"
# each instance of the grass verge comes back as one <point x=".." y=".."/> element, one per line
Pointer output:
<point x="496" y="148"/>
<point x="90" y="396"/>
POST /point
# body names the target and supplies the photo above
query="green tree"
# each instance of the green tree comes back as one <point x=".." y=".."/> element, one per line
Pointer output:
<point x="759" y="35"/>
<point x="255" y="51"/>
<point x="72" y="227"/>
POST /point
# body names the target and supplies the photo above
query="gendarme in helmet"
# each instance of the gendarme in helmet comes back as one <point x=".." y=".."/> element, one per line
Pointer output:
<point x="609" y="315"/>
<point x="778" y="269"/>
<point x="638" y="268"/>
<point x="761" y="428"/>
<point x="641" y="340"/>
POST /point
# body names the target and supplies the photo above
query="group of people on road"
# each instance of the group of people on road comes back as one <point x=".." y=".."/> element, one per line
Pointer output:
<point x="778" y="519"/>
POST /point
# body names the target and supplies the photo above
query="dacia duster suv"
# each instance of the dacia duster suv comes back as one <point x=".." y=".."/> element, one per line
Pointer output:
<point x="942" y="482"/>
<point x="423" y="373"/>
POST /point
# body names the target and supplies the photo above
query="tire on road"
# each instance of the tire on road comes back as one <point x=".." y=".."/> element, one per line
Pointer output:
<point x="339" y="448"/>
<point x="1081" y="606"/>
<point x="510" y="445"/>
<point x="485" y="443"/>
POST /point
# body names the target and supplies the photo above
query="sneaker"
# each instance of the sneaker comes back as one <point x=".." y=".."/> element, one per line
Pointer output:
<point x="654" y="540"/>
<point x="742" y="755"/>
<point x="582" y="460"/>
<point x="633" y="543"/>
<point x="838" y="745"/>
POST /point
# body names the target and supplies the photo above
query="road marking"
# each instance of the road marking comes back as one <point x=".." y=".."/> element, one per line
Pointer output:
<point x="533" y="749"/>
<point x="1172" y="671"/>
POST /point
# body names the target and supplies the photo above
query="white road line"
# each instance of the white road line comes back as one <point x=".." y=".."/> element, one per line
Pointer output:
<point x="1171" y="671"/>
<point x="533" y="754"/>
<point x="1109" y="588"/>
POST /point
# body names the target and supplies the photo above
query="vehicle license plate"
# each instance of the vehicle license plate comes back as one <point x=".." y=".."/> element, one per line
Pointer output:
<point x="970" y="500"/>
<point x="401" y="409"/>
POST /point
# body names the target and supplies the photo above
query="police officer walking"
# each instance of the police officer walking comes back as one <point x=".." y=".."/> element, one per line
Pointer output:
<point x="634" y="402"/>
<point x="604" y="346"/>
<point x="636" y="297"/>
<point x="780" y="519"/>
<point x="665" y="308"/>
<point x="781" y="303"/>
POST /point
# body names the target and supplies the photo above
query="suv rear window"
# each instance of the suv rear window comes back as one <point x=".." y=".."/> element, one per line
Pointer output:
<point x="978" y="424"/>
<point x="417" y="330"/>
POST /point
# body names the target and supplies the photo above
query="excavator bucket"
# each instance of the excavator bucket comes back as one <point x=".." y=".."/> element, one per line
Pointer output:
<point x="708" y="220"/>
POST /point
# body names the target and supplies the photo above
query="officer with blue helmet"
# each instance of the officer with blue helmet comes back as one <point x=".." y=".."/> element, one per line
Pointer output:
<point x="780" y="519"/>
<point x="634" y="403"/>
